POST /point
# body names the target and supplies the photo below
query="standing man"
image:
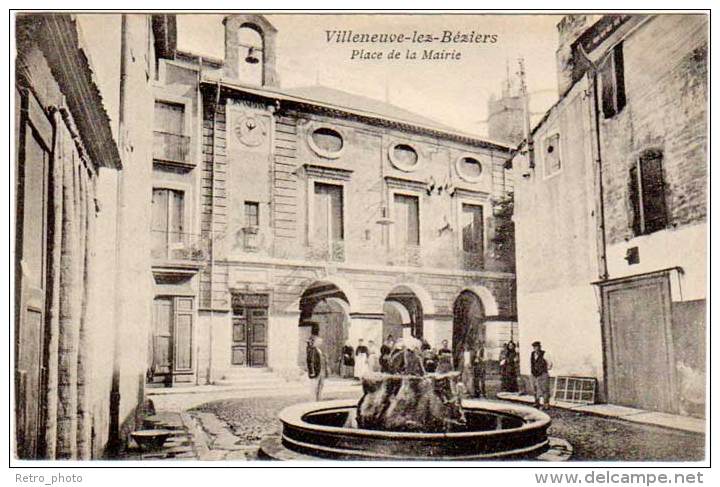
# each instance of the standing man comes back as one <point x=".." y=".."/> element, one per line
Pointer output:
<point x="317" y="367"/>
<point x="540" y="365"/>
<point x="478" y="364"/>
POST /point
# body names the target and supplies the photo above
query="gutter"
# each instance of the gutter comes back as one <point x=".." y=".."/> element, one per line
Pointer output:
<point x="276" y="95"/>
<point x="600" y="202"/>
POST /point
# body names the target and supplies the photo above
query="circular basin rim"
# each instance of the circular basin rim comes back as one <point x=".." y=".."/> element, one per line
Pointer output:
<point x="293" y="416"/>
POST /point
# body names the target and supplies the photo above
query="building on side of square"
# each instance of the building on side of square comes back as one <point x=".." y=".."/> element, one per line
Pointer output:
<point x="315" y="211"/>
<point x="83" y="105"/>
<point x="611" y="211"/>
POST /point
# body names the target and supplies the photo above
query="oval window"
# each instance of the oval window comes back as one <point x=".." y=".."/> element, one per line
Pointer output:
<point x="469" y="168"/>
<point x="404" y="156"/>
<point x="326" y="141"/>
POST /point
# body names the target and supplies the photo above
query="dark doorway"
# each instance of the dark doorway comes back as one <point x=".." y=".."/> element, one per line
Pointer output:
<point x="324" y="312"/>
<point x="468" y="322"/>
<point x="402" y="313"/>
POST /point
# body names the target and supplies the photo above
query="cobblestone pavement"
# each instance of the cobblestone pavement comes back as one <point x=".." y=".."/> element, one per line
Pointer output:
<point x="593" y="438"/>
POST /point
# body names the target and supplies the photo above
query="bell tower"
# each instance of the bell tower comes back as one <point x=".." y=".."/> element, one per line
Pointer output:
<point x="250" y="50"/>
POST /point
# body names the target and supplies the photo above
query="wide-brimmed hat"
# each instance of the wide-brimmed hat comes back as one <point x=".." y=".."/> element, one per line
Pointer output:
<point x="536" y="344"/>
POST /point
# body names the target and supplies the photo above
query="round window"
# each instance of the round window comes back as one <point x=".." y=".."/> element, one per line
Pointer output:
<point x="469" y="168"/>
<point x="403" y="156"/>
<point x="326" y="142"/>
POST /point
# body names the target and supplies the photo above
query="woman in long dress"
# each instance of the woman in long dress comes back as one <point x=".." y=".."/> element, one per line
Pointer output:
<point x="361" y="356"/>
<point x="509" y="362"/>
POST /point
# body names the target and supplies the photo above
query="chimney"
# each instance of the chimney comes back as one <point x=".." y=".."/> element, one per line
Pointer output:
<point x="569" y="29"/>
<point x="250" y="50"/>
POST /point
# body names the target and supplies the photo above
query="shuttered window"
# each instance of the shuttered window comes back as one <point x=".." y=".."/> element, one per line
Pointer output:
<point x="328" y="213"/>
<point x="169" y="118"/>
<point x="647" y="194"/>
<point x="407" y="220"/>
<point x="612" y="82"/>
<point x="472" y="228"/>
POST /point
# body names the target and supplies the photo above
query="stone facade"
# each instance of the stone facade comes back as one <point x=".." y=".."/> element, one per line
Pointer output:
<point x="259" y="154"/>
<point x="594" y="253"/>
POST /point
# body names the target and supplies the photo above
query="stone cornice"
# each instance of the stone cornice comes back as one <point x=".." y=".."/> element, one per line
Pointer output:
<point x="330" y="172"/>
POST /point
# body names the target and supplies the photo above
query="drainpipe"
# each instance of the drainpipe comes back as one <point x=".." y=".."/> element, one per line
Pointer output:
<point x="212" y="236"/>
<point x="598" y="162"/>
<point x="114" y="426"/>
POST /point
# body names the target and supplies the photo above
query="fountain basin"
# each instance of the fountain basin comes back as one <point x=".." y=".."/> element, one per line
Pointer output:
<point x="494" y="431"/>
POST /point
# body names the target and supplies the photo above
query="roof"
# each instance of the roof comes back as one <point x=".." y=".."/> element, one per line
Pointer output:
<point x="337" y="101"/>
<point x="71" y="67"/>
<point x="344" y="99"/>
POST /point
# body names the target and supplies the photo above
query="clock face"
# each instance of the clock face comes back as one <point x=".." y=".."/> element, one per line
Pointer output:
<point x="250" y="130"/>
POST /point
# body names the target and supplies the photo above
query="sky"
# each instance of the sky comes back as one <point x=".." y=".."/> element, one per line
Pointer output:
<point x="454" y="92"/>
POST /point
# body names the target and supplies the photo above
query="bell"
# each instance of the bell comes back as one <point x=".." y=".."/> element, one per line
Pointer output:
<point x="251" y="58"/>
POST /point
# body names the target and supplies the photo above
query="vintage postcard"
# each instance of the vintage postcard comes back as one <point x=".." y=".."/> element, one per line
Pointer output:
<point x="338" y="236"/>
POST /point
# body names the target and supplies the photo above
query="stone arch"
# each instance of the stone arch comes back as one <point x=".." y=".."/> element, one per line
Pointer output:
<point x="422" y="294"/>
<point x="233" y="23"/>
<point x="486" y="298"/>
<point x="353" y="298"/>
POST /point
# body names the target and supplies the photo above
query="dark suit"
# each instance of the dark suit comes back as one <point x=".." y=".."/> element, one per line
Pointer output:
<point x="317" y="370"/>
<point x="477" y="358"/>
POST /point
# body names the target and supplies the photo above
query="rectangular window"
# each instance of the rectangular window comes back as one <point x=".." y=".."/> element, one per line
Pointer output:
<point x="170" y="117"/>
<point x="328" y="221"/>
<point x="551" y="155"/>
<point x="407" y="220"/>
<point x="167" y="218"/>
<point x="472" y="225"/>
<point x="252" y="214"/>
<point x="647" y="194"/>
<point x="612" y="83"/>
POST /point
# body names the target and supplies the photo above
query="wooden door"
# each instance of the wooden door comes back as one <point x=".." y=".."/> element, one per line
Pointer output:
<point x="173" y="355"/>
<point x="34" y="139"/>
<point x="239" y="348"/>
<point x="257" y="337"/>
<point x="249" y="337"/>
<point x="638" y="344"/>
<point x="162" y="365"/>
<point x="183" y="336"/>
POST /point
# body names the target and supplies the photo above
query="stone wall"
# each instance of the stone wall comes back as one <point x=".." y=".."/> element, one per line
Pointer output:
<point x="666" y="109"/>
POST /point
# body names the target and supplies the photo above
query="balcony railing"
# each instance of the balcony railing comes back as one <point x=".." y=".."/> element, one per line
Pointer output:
<point x="333" y="251"/>
<point x="172" y="148"/>
<point x="178" y="246"/>
<point x="409" y="255"/>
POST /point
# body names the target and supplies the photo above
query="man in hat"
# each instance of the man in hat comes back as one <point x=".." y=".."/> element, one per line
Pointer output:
<point x="317" y="366"/>
<point x="540" y="366"/>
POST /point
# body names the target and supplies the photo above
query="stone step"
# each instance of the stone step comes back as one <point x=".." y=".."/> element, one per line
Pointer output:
<point x="253" y="382"/>
<point x="246" y="372"/>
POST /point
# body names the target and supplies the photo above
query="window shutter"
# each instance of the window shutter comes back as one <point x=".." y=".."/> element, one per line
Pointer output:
<point x="635" y="201"/>
<point x="653" y="192"/>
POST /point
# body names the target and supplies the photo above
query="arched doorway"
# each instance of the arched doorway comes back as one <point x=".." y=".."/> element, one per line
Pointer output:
<point x="468" y="322"/>
<point x="324" y="312"/>
<point x="402" y="314"/>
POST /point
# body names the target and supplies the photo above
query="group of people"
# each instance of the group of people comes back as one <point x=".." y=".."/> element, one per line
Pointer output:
<point x="359" y="361"/>
<point x="395" y="356"/>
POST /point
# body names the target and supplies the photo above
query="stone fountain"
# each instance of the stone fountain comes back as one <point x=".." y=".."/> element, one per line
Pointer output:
<point x="413" y="417"/>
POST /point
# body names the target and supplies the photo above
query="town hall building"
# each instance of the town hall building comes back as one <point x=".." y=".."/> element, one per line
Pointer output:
<point x="281" y="213"/>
